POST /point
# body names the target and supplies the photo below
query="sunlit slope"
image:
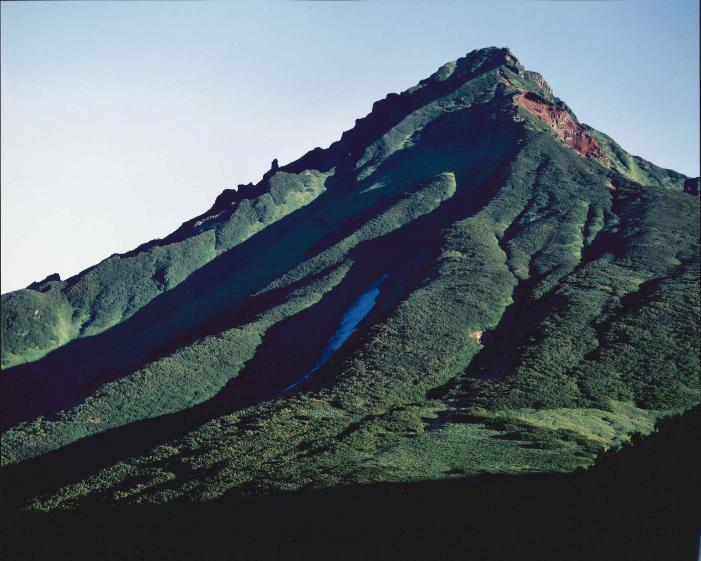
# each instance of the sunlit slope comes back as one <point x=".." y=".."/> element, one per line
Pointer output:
<point x="54" y="312"/>
<point x="539" y="303"/>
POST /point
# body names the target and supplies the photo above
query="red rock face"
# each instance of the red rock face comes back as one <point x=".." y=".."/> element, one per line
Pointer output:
<point x="563" y="123"/>
<point x="691" y="186"/>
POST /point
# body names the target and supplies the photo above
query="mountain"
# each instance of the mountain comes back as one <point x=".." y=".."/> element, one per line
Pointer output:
<point x="469" y="281"/>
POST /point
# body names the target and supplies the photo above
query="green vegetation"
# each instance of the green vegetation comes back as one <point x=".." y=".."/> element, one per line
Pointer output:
<point x="34" y="323"/>
<point x="635" y="168"/>
<point x="539" y="308"/>
<point x="197" y="372"/>
<point x="617" y="320"/>
<point x="424" y="200"/>
<point x="183" y="379"/>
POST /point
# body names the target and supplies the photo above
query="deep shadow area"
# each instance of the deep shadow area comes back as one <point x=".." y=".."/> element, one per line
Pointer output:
<point x="502" y="343"/>
<point x="639" y="503"/>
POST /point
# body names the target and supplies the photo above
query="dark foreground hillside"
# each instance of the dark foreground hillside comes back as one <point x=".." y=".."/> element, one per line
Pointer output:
<point x="640" y="503"/>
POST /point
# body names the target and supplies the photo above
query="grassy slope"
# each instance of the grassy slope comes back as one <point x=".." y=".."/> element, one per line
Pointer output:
<point x="35" y="322"/>
<point x="578" y="279"/>
<point x="635" y="168"/>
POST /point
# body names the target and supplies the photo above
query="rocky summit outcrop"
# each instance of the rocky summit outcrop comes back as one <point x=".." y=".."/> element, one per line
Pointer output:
<point x="564" y="123"/>
<point x="44" y="285"/>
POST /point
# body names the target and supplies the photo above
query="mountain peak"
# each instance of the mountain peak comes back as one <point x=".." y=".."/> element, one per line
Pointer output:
<point x="473" y="59"/>
<point x="468" y="252"/>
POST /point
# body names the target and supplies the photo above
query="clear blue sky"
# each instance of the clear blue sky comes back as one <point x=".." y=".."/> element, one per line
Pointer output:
<point x="121" y="120"/>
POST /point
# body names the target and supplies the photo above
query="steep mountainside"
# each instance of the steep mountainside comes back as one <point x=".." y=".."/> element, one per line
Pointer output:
<point x="469" y="281"/>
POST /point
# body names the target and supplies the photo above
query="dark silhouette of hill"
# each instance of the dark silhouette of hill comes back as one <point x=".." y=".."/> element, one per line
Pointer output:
<point x="639" y="503"/>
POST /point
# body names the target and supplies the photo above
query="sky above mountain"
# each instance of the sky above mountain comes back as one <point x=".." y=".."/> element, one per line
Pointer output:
<point x="122" y="120"/>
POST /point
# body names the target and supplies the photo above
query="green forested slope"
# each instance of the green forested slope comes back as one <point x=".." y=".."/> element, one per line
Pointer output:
<point x="540" y="304"/>
<point x="36" y="321"/>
